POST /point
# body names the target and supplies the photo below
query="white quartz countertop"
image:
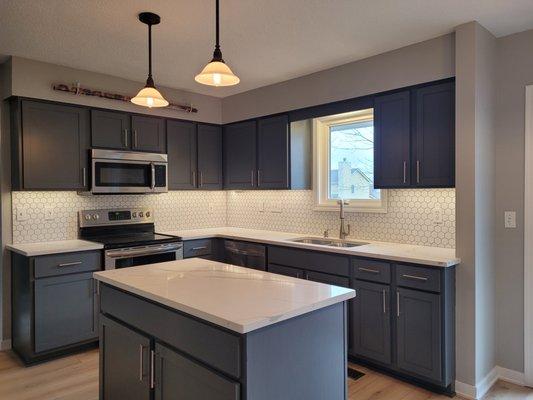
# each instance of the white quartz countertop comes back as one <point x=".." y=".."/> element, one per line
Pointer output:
<point x="237" y="298"/>
<point x="434" y="256"/>
<point x="55" y="247"/>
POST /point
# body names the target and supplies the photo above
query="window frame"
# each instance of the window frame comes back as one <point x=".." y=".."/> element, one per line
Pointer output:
<point x="321" y="165"/>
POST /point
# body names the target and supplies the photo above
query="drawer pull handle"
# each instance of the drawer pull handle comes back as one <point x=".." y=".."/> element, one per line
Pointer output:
<point x="70" y="264"/>
<point x="398" y="304"/>
<point x="199" y="248"/>
<point x="152" y="369"/>
<point x="372" y="271"/>
<point x="416" y="278"/>
<point x="384" y="294"/>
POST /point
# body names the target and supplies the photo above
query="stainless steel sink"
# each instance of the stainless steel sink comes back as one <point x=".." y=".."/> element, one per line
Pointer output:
<point x="328" y="242"/>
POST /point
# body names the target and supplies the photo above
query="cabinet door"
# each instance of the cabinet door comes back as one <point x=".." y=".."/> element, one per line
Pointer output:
<point x="64" y="311"/>
<point x="240" y="155"/>
<point x="181" y="147"/>
<point x="392" y="141"/>
<point x="435" y="136"/>
<point x="178" y="378"/>
<point x="148" y="134"/>
<point x="209" y="157"/>
<point x="370" y="327"/>
<point x="273" y="153"/>
<point x="418" y="338"/>
<point x="55" y="145"/>
<point x="110" y="130"/>
<point x="124" y="362"/>
<point x="287" y="271"/>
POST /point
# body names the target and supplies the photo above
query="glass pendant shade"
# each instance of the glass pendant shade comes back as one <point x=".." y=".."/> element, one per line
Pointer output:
<point x="149" y="97"/>
<point x="217" y="73"/>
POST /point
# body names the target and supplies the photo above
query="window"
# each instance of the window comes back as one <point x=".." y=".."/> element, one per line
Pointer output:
<point x="344" y="163"/>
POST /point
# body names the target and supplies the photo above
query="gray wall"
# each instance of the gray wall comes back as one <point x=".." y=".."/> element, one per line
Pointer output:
<point x="34" y="79"/>
<point x="422" y="62"/>
<point x="515" y="72"/>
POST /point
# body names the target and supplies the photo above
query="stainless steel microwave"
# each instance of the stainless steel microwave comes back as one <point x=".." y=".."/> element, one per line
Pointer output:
<point x="116" y="171"/>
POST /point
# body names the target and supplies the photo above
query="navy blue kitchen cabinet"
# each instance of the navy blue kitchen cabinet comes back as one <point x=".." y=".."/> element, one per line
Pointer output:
<point x="414" y="132"/>
<point x="209" y="157"/>
<point x="182" y="155"/>
<point x="392" y="131"/>
<point x="110" y="130"/>
<point x="273" y="153"/>
<point x="240" y="155"/>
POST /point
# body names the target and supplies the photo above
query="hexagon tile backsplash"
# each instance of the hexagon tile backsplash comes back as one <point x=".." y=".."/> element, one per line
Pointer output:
<point x="411" y="217"/>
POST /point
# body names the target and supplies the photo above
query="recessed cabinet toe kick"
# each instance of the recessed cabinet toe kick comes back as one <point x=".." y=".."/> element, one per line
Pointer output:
<point x="169" y="335"/>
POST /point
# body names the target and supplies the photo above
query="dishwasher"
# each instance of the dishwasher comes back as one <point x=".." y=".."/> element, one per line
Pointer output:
<point x="244" y="254"/>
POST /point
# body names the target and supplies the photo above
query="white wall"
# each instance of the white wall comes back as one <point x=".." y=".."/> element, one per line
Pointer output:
<point x="34" y="79"/>
<point x="422" y="62"/>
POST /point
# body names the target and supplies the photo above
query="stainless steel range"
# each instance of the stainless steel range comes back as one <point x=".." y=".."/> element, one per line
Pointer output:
<point x="129" y="237"/>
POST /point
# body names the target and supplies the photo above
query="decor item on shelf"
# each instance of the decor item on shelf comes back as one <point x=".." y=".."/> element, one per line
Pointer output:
<point x="217" y="73"/>
<point x="79" y="90"/>
<point x="149" y="96"/>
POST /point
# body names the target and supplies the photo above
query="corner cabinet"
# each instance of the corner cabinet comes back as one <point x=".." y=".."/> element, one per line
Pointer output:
<point x="51" y="146"/>
<point x="415" y="137"/>
<point x="266" y="154"/>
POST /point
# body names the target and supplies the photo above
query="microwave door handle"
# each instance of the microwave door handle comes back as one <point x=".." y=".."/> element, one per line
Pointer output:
<point x="152" y="184"/>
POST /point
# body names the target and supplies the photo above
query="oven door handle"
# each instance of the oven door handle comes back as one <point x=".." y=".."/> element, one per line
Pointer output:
<point x="137" y="253"/>
<point x="152" y="183"/>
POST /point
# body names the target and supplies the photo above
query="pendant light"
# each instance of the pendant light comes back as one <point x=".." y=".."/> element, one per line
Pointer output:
<point x="149" y="96"/>
<point x="217" y="73"/>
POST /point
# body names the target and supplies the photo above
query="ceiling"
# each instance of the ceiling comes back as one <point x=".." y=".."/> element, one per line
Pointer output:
<point x="263" y="41"/>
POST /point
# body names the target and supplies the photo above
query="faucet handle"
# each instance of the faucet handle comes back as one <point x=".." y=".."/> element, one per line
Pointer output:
<point x="343" y="202"/>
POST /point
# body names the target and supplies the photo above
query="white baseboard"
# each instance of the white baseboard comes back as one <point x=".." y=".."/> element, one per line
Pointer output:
<point x="5" y="344"/>
<point x="497" y="373"/>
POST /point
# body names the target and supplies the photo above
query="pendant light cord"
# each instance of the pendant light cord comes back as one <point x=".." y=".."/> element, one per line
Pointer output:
<point x="149" y="80"/>
<point x="217" y="54"/>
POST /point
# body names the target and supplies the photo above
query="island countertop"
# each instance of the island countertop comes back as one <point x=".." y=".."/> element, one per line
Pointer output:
<point x="236" y="298"/>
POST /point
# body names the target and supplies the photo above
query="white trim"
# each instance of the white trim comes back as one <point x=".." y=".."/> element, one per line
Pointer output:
<point x="321" y="163"/>
<point x="482" y="388"/>
<point x="5" y="345"/>
<point x="528" y="240"/>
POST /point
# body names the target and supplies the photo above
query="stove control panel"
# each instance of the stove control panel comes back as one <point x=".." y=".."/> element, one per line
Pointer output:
<point x="115" y="217"/>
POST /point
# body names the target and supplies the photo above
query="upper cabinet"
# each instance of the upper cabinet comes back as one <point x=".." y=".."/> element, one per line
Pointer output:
<point x="267" y="154"/>
<point x="415" y="138"/>
<point x="194" y="155"/>
<point x="122" y="131"/>
<point x="51" y="143"/>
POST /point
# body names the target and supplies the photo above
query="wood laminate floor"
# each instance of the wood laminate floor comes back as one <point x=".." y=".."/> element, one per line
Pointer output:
<point x="76" y="378"/>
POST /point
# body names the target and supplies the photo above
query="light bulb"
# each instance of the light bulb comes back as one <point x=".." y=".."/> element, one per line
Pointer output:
<point x="217" y="79"/>
<point x="150" y="101"/>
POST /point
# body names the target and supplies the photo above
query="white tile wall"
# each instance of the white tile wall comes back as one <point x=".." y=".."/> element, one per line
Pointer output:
<point x="410" y="217"/>
<point x="172" y="210"/>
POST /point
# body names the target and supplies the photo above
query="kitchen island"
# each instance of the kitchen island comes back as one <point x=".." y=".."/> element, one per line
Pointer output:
<point x="199" y="329"/>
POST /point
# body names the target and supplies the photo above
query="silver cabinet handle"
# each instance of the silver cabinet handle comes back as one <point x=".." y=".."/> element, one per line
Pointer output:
<point x="372" y="271"/>
<point x="414" y="277"/>
<point x="84" y="176"/>
<point x="258" y="178"/>
<point x="405" y="172"/>
<point x="201" y="179"/>
<point x="152" y="369"/>
<point x="199" y="248"/>
<point x="253" y="174"/>
<point x="417" y="171"/>
<point x="70" y="264"/>
<point x="135" y="138"/>
<point x="152" y="183"/>
<point x="384" y="298"/>
<point x="125" y="137"/>
<point x="141" y="362"/>
<point x="397" y="304"/>
<point x="194" y="179"/>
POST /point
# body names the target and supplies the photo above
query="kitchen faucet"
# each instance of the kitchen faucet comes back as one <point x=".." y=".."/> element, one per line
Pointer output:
<point x="343" y="232"/>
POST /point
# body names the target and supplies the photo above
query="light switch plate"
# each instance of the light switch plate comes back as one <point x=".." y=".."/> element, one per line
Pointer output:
<point x="437" y="216"/>
<point x="510" y="219"/>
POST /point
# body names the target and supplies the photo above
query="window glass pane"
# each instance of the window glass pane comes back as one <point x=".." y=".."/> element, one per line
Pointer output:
<point x="351" y="161"/>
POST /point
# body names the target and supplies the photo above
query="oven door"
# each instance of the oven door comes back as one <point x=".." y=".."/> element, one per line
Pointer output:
<point x="128" y="176"/>
<point x="142" y="255"/>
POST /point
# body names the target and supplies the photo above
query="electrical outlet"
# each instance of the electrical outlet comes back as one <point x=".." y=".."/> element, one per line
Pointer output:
<point x="262" y="206"/>
<point x="437" y="216"/>
<point x="22" y="215"/>
<point x="510" y="219"/>
<point x="276" y="207"/>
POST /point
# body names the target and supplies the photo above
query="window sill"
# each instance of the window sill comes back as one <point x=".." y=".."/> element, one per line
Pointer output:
<point x="352" y="209"/>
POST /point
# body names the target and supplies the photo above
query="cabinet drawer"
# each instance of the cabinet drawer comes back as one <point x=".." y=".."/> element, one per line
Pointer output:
<point x="216" y="347"/>
<point x="310" y="260"/>
<point x="287" y="271"/>
<point x="374" y="271"/>
<point x="196" y="248"/>
<point x="328" y="279"/>
<point x="67" y="263"/>
<point x="418" y="278"/>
